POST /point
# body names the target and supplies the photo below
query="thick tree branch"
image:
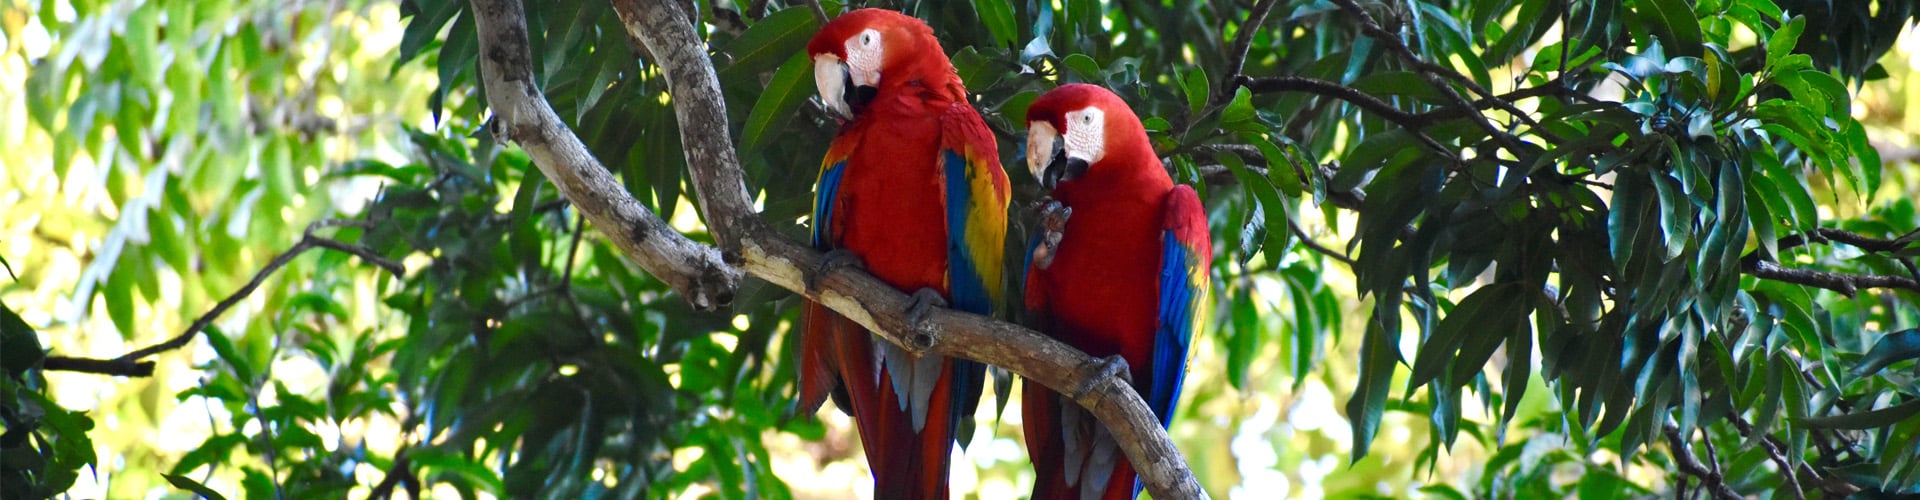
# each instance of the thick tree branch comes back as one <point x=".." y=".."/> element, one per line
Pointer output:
<point x="662" y="28"/>
<point x="131" y="365"/>
<point x="521" y="114"/>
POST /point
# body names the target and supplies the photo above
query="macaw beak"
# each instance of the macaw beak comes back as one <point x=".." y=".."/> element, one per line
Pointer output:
<point x="843" y="95"/>
<point x="1047" y="157"/>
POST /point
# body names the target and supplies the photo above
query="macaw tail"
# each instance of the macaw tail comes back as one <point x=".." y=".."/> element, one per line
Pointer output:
<point x="839" y="358"/>
<point x="1074" y="457"/>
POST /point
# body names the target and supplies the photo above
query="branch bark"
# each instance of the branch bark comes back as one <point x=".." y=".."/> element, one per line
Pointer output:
<point x="522" y="115"/>
<point x="662" y="27"/>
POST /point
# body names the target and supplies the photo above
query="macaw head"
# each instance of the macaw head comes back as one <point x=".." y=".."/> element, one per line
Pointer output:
<point x="1071" y="129"/>
<point x="851" y="53"/>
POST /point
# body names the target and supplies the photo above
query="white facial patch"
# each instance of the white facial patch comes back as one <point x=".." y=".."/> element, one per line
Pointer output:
<point x="864" y="54"/>
<point x="1087" y="134"/>
<point x="829" y="77"/>
<point x="1040" y="139"/>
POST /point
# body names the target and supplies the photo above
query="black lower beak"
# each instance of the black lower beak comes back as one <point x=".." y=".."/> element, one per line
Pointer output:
<point x="857" y="97"/>
<point x="1062" y="168"/>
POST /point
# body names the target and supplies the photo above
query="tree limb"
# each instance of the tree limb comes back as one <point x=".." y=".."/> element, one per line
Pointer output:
<point x="521" y="114"/>
<point x="758" y="250"/>
<point x="1847" y="284"/>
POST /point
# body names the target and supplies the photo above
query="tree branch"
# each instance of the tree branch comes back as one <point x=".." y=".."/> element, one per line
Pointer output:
<point x="1242" y="43"/>
<point x="521" y="114"/>
<point x="1684" y="459"/>
<point x="130" y="364"/>
<point x="1846" y="283"/>
<point x="662" y="27"/>
<point x="1438" y="77"/>
<point x="1271" y="84"/>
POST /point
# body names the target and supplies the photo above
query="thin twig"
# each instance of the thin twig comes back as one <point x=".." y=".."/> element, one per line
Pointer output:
<point x="819" y="13"/>
<point x="1437" y="76"/>
<point x="401" y="470"/>
<point x="1689" y="464"/>
<point x="131" y="365"/>
<point x="1242" y="44"/>
<point x="1366" y="101"/>
<point x="1847" y="284"/>
<point x="1316" y="246"/>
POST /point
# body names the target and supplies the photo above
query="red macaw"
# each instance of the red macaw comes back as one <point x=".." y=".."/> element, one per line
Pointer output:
<point x="912" y="186"/>
<point x="1124" y="276"/>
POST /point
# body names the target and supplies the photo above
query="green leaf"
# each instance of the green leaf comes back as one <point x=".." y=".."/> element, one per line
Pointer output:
<point x="224" y="348"/>
<point x="1781" y="44"/>
<point x="1399" y="83"/>
<point x="789" y="87"/>
<point x="1378" y="356"/>
<point x="1673" y="22"/>
<point x="1197" y="89"/>
<point x="119" y="297"/>
<point x="1243" y="339"/>
<point x="1892" y="348"/>
<point x="1083" y="68"/>
<point x="1240" y="109"/>
<point x="1867" y="419"/>
<point x="187" y="483"/>
<point x="1481" y="320"/>
<point x="998" y="16"/>
<point x="769" y="42"/>
<point x="1676" y="215"/>
<point x="19" y="346"/>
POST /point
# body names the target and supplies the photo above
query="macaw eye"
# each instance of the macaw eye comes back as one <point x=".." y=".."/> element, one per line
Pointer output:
<point x="866" y="38"/>
<point x="1087" y="119"/>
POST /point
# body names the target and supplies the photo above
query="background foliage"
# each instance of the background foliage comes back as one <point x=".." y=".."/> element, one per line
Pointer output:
<point x="1602" y="279"/>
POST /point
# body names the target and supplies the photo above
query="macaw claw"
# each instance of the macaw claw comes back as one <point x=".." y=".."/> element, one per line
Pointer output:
<point x="834" y="259"/>
<point x="1051" y="220"/>
<point x="1099" y="371"/>
<point x="924" y="300"/>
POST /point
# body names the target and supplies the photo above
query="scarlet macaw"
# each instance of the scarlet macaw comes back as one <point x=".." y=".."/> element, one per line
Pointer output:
<point x="912" y="186"/>
<point x="1124" y="277"/>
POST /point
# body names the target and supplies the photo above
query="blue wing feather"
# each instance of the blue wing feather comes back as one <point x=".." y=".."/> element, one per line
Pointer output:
<point x="966" y="288"/>
<point x="1175" y="333"/>
<point x="829" y="185"/>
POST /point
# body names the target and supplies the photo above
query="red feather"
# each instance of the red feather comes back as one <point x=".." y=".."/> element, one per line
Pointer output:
<point x="1102" y="292"/>
<point x="887" y="204"/>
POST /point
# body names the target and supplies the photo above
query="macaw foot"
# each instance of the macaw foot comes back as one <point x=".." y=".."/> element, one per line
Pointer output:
<point x="924" y="300"/>
<point x="1051" y="221"/>
<point x="1100" y="371"/>
<point x="834" y="259"/>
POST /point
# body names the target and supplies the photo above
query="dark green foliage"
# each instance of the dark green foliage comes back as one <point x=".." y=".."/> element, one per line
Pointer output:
<point x="43" y="447"/>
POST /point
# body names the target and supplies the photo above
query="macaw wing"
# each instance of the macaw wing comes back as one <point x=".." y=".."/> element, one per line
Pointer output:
<point x="818" y="376"/>
<point x="1186" y="255"/>
<point x="825" y="234"/>
<point x="976" y="196"/>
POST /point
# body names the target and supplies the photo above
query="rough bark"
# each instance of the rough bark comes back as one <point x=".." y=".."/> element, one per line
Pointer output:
<point x="521" y="114"/>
